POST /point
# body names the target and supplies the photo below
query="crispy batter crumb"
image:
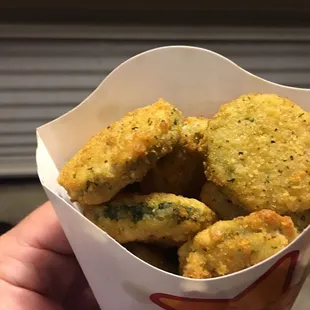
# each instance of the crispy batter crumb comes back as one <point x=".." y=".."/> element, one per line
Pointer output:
<point x="156" y="218"/>
<point x="229" y="246"/>
<point x="258" y="148"/>
<point x="181" y="171"/>
<point x="122" y="153"/>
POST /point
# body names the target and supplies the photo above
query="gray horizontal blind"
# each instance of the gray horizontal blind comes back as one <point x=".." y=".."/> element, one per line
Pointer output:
<point x="45" y="71"/>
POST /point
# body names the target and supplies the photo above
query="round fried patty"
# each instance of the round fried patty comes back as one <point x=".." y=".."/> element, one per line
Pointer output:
<point x="156" y="218"/>
<point x="230" y="246"/>
<point x="122" y="153"/>
<point x="258" y="149"/>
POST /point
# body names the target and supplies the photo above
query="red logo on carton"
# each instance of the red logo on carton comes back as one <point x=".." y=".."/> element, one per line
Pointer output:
<point x="272" y="291"/>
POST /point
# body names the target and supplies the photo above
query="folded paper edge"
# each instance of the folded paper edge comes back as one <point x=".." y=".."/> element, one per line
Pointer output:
<point x="274" y="258"/>
<point x="215" y="54"/>
<point x="40" y="145"/>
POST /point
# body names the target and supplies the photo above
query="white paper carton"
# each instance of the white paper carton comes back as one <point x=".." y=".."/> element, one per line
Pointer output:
<point x="198" y="82"/>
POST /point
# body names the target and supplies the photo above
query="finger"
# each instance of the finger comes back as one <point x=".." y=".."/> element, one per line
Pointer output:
<point x="87" y="301"/>
<point x="41" y="229"/>
<point x="34" y="255"/>
<point x="38" y="270"/>
<point x="80" y="296"/>
<point x="15" y="298"/>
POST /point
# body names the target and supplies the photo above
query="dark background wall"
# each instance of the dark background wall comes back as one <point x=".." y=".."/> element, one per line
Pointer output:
<point x="52" y="55"/>
<point x="218" y="12"/>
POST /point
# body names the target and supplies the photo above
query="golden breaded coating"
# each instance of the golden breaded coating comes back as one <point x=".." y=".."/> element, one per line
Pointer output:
<point x="258" y="149"/>
<point x="300" y="219"/>
<point x="156" y="218"/>
<point x="154" y="255"/>
<point x="216" y="199"/>
<point x="213" y="196"/>
<point x="230" y="246"/>
<point x="181" y="171"/>
<point x="183" y="254"/>
<point x="122" y="153"/>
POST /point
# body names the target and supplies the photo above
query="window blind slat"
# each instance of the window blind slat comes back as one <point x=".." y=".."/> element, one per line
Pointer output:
<point x="45" y="71"/>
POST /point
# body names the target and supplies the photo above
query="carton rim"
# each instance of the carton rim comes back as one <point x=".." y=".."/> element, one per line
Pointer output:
<point x="173" y="47"/>
<point x="236" y="66"/>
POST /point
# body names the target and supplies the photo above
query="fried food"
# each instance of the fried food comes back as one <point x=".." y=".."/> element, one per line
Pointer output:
<point x="216" y="199"/>
<point x="183" y="254"/>
<point x="154" y="255"/>
<point x="213" y="196"/>
<point x="230" y="246"/>
<point x="181" y="171"/>
<point x="156" y="218"/>
<point x="258" y="148"/>
<point x="122" y="153"/>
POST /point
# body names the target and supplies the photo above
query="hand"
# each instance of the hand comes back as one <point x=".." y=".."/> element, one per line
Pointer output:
<point x="38" y="269"/>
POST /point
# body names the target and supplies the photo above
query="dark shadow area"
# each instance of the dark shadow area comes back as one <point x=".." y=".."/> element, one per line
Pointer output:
<point x="4" y="227"/>
<point x="15" y="180"/>
<point x="120" y="12"/>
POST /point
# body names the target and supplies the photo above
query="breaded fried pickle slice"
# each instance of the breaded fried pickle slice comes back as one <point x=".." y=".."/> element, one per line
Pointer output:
<point x="181" y="171"/>
<point x="258" y="148"/>
<point x="122" y="153"/>
<point x="230" y="246"/>
<point x="216" y="199"/>
<point x="153" y="255"/>
<point x="213" y="196"/>
<point x="156" y="218"/>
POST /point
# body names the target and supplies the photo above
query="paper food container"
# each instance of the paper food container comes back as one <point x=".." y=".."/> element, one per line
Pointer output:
<point x="198" y="82"/>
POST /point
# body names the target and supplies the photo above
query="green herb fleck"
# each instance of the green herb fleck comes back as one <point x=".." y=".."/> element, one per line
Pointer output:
<point x="300" y="115"/>
<point x="183" y="216"/>
<point x="135" y="212"/>
<point x="232" y="180"/>
<point x="164" y="205"/>
<point x="250" y="119"/>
